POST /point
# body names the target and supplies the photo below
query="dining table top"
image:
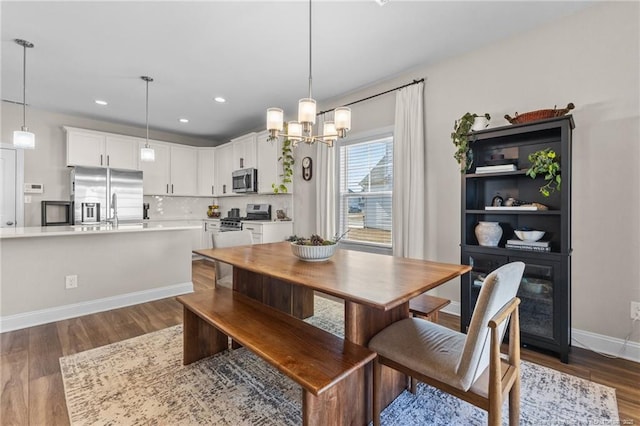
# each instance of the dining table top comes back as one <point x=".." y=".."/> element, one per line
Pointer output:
<point x="376" y="280"/>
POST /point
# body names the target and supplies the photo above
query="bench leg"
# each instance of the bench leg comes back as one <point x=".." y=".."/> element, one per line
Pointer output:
<point x="200" y="338"/>
<point x="342" y="404"/>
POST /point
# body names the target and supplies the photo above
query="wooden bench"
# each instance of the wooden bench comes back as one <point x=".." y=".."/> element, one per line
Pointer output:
<point x="427" y="306"/>
<point x="327" y="367"/>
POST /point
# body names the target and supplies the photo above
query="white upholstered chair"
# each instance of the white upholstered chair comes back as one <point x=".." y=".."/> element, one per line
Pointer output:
<point x="469" y="366"/>
<point x="224" y="272"/>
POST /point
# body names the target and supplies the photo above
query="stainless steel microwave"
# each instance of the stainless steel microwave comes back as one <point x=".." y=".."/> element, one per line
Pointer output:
<point x="245" y="180"/>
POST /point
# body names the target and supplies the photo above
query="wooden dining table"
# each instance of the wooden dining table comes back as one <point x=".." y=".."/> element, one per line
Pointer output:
<point x="375" y="288"/>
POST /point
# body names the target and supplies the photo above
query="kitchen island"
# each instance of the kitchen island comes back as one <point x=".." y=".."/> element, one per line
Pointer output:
<point x="52" y="273"/>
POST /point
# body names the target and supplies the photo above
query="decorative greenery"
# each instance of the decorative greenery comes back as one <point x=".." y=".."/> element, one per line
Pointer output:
<point x="287" y="160"/>
<point x="545" y="162"/>
<point x="316" y="240"/>
<point x="460" y="138"/>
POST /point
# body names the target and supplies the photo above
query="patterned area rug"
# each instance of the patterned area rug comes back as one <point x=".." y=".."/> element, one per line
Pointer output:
<point x="142" y="381"/>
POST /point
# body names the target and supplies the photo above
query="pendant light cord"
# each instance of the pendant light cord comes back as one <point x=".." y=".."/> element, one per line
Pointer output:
<point x="310" y="97"/>
<point x="24" y="86"/>
<point x="147" y="111"/>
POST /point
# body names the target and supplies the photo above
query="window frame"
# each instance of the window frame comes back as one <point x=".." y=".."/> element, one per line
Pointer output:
<point x="369" y="136"/>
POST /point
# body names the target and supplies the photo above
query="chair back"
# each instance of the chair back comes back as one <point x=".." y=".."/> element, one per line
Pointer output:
<point x="224" y="272"/>
<point x="498" y="289"/>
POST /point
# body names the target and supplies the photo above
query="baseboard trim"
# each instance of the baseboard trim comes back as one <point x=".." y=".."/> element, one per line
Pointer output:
<point x="594" y="342"/>
<point x="44" y="316"/>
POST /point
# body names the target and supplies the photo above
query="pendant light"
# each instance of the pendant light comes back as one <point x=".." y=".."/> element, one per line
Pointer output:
<point x="147" y="153"/>
<point x="302" y="130"/>
<point x="24" y="138"/>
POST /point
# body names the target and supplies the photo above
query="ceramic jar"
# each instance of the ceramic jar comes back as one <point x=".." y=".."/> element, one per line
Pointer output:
<point x="488" y="233"/>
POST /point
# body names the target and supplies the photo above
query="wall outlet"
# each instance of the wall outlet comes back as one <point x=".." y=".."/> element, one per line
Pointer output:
<point x="71" y="281"/>
<point x="635" y="310"/>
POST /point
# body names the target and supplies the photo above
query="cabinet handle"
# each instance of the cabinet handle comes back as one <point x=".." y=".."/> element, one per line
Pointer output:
<point x="212" y="190"/>
<point x="167" y="188"/>
<point x="101" y="159"/>
<point x="224" y="188"/>
<point x="242" y="163"/>
<point x="107" y="159"/>
<point x="172" y="188"/>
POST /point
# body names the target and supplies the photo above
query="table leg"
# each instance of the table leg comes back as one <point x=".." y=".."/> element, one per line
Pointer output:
<point x="200" y="338"/>
<point x="361" y="323"/>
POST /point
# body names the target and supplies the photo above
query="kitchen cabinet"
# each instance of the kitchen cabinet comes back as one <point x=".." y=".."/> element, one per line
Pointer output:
<point x="269" y="167"/>
<point x="211" y="228"/>
<point x="174" y="171"/>
<point x="183" y="170"/>
<point x="545" y="289"/>
<point x="155" y="174"/>
<point x="97" y="149"/>
<point x="206" y="171"/>
<point x="244" y="152"/>
<point x="224" y="168"/>
<point x="268" y="232"/>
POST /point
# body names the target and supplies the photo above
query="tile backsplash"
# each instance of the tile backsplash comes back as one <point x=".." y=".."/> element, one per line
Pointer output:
<point x="169" y="208"/>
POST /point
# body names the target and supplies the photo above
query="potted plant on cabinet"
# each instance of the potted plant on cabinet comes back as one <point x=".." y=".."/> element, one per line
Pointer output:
<point x="460" y="138"/>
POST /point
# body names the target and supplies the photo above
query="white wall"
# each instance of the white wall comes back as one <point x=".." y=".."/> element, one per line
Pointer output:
<point x="590" y="59"/>
<point x="47" y="163"/>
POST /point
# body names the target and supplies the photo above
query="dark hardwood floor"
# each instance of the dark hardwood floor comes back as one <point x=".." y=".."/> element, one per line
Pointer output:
<point x="33" y="393"/>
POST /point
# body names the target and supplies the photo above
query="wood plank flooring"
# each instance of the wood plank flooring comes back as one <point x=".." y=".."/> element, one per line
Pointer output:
<point x="32" y="392"/>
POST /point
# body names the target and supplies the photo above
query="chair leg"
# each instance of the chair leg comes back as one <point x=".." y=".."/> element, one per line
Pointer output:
<point x="514" y="403"/>
<point x="377" y="377"/>
<point x="495" y="410"/>
<point x="414" y="383"/>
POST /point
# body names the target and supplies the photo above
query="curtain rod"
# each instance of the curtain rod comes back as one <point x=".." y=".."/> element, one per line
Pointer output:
<point x="376" y="95"/>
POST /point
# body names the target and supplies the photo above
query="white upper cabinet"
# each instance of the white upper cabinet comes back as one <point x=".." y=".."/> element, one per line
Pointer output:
<point x="184" y="170"/>
<point x="156" y="174"/>
<point x="206" y="171"/>
<point x="98" y="149"/>
<point x="224" y="168"/>
<point x="244" y="152"/>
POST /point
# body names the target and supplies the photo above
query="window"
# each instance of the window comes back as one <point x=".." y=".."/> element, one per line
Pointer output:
<point x="365" y="190"/>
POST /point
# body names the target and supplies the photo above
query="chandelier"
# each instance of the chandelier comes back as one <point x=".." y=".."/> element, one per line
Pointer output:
<point x="302" y="130"/>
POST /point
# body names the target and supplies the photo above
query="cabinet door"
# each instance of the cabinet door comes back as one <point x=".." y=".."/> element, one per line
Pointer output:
<point x="267" y="163"/>
<point x="256" y="231"/>
<point x="224" y="168"/>
<point x="184" y="170"/>
<point x="206" y="171"/>
<point x="122" y="152"/>
<point x="85" y="149"/>
<point x="155" y="174"/>
<point x="244" y="152"/>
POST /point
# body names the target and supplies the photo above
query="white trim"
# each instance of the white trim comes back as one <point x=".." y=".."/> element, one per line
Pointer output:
<point x="585" y="339"/>
<point x="44" y="316"/>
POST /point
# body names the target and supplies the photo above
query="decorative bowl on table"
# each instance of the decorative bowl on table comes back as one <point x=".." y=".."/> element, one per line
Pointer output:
<point x="529" y="235"/>
<point x="310" y="253"/>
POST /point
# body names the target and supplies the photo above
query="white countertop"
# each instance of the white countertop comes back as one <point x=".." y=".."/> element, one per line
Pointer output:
<point x="54" y="231"/>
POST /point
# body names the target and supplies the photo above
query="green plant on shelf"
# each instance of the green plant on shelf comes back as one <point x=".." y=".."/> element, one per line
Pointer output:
<point x="546" y="163"/>
<point x="460" y="139"/>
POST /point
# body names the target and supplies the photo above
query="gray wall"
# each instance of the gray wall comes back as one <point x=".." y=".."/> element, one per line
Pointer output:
<point x="590" y="59"/>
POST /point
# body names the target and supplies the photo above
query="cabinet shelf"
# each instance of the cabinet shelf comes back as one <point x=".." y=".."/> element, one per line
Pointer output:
<point x="545" y="319"/>
<point x="517" y="212"/>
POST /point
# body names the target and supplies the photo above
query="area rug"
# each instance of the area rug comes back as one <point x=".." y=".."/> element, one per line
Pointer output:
<point x="142" y="381"/>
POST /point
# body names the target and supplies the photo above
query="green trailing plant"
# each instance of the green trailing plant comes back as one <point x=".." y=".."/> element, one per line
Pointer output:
<point x="287" y="161"/>
<point x="460" y="138"/>
<point x="545" y="162"/>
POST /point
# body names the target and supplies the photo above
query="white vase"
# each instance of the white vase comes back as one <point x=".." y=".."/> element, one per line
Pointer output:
<point x="488" y="233"/>
<point x="480" y="123"/>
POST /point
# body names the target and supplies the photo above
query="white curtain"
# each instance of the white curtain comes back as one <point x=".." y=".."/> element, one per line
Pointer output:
<point x="409" y="174"/>
<point x="324" y="172"/>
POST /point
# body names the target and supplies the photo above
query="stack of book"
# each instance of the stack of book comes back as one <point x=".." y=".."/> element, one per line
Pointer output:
<point x="529" y="245"/>
<point x="496" y="169"/>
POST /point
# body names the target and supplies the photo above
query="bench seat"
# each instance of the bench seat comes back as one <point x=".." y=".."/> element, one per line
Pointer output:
<point x="313" y="358"/>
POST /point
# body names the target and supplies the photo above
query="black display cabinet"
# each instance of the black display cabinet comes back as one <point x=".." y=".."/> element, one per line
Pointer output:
<point x="545" y="290"/>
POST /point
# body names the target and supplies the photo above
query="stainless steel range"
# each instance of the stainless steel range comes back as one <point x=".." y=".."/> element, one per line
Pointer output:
<point x="254" y="212"/>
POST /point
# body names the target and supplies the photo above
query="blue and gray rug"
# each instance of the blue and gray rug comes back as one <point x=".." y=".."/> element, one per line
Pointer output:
<point x="142" y="381"/>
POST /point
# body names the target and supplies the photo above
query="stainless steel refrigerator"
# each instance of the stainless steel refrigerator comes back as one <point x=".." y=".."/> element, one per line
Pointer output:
<point x="92" y="193"/>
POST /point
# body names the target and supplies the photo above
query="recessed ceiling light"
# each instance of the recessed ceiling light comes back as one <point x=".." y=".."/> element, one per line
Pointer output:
<point x="101" y="102"/>
<point x="183" y="120"/>
<point x="220" y="99"/>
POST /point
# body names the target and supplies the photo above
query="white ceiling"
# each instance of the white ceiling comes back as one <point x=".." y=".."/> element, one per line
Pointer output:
<point x="255" y="54"/>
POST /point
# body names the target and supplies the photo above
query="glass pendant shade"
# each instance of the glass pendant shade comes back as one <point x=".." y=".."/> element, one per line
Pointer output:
<point x="275" y="119"/>
<point x="294" y="129"/>
<point x="329" y="131"/>
<point x="307" y="111"/>
<point x="147" y="154"/>
<point x="23" y="139"/>
<point x="342" y="117"/>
